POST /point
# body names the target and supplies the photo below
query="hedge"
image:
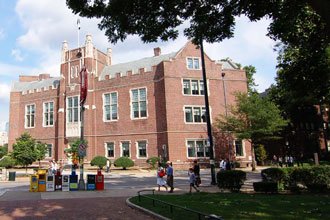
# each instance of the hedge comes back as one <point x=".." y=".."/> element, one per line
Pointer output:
<point x="231" y="179"/>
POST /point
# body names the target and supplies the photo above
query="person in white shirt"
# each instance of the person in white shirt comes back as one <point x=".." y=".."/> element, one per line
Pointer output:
<point x="222" y="165"/>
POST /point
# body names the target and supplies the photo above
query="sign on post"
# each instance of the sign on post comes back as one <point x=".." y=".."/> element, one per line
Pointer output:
<point x="82" y="150"/>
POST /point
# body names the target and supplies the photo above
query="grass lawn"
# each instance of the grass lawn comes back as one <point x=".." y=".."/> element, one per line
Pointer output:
<point x="242" y="206"/>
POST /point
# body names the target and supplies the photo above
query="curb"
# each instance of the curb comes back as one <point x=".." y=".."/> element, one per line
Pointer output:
<point x="147" y="211"/>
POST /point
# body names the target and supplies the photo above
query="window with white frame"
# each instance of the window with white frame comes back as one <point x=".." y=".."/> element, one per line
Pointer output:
<point x="110" y="106"/>
<point x="48" y="114"/>
<point x="195" y="114"/>
<point x="49" y="150"/>
<point x="125" y="152"/>
<point x="29" y="116"/>
<point x="110" y="149"/>
<point x="193" y="63"/>
<point x="139" y="103"/>
<point x="142" y="149"/>
<point x="73" y="109"/>
<point x="239" y="148"/>
<point x="193" y="87"/>
<point x="197" y="148"/>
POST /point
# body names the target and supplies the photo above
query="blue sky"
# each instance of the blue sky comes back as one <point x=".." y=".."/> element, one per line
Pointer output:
<point x="32" y="32"/>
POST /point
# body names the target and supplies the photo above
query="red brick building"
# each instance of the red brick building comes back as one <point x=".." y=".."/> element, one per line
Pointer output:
<point x="149" y="107"/>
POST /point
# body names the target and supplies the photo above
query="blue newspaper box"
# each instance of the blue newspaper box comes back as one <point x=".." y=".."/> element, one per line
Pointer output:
<point x="73" y="181"/>
<point x="91" y="182"/>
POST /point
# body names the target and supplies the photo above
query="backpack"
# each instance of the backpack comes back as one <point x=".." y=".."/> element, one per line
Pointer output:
<point x="161" y="173"/>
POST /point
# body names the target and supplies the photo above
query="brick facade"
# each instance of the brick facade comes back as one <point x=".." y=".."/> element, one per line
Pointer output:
<point x="161" y="77"/>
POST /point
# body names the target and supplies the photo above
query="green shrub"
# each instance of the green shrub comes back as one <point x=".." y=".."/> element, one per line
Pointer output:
<point x="99" y="161"/>
<point x="123" y="162"/>
<point x="267" y="187"/>
<point x="231" y="179"/>
<point x="315" y="178"/>
<point x="153" y="161"/>
<point x="7" y="162"/>
<point x="273" y="175"/>
<point x="237" y="164"/>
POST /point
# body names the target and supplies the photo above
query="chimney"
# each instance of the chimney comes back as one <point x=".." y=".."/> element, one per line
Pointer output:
<point x="157" y="51"/>
<point x="44" y="76"/>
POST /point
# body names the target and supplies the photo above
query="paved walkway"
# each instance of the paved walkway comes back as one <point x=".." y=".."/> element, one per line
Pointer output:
<point x="107" y="204"/>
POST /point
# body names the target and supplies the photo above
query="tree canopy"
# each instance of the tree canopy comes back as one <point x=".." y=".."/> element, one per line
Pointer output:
<point x="211" y="20"/>
<point x="27" y="150"/>
<point x="252" y="118"/>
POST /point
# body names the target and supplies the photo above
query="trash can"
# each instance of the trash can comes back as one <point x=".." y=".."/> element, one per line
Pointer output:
<point x="12" y="176"/>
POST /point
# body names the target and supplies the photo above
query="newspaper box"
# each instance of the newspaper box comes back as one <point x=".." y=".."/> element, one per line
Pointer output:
<point x="65" y="182"/>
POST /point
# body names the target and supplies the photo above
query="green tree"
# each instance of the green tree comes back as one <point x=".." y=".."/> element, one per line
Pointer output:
<point x="99" y="161"/>
<point x="261" y="153"/>
<point x="253" y="118"/>
<point x="24" y="150"/>
<point x="72" y="151"/>
<point x="3" y="150"/>
<point x="40" y="150"/>
<point x="124" y="162"/>
<point x="212" y="20"/>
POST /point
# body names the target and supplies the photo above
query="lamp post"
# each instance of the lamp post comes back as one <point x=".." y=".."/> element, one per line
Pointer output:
<point x="223" y="74"/>
<point x="207" y="114"/>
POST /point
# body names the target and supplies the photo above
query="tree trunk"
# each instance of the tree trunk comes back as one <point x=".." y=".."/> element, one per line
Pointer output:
<point x="254" y="165"/>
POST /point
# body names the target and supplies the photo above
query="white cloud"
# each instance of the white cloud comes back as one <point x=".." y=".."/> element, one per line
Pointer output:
<point x="4" y="92"/>
<point x="16" y="53"/>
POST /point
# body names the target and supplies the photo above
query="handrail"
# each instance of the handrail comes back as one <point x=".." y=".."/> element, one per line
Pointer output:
<point x="200" y="214"/>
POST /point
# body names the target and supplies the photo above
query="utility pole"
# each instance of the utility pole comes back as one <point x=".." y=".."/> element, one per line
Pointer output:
<point x="208" y="121"/>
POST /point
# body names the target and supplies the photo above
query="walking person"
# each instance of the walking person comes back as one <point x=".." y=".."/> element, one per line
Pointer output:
<point x="170" y="178"/>
<point x="160" y="178"/>
<point x="192" y="180"/>
<point x="108" y="166"/>
<point x="222" y="165"/>
<point x="196" y="170"/>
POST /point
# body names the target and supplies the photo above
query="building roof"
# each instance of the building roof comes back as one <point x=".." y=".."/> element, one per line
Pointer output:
<point x="26" y="86"/>
<point x="134" y="66"/>
<point x="228" y="64"/>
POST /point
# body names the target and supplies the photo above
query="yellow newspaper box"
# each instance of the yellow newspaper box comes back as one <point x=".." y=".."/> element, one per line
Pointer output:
<point x="42" y="180"/>
<point x="33" y="183"/>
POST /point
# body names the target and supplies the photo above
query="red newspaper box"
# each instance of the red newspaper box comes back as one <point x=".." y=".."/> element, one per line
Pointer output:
<point x="99" y="180"/>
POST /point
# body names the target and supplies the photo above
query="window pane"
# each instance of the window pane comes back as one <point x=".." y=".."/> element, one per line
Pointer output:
<point x="142" y="94"/>
<point x="107" y="112"/>
<point x="125" y="149"/>
<point x="186" y="87"/>
<point x="135" y="95"/>
<point x="200" y="148"/>
<point x="190" y="63"/>
<point x="106" y="99"/>
<point x="114" y="112"/>
<point x="239" y="148"/>
<point x="110" y="150"/>
<point x="197" y="114"/>
<point x="142" y="149"/>
<point x="194" y="87"/>
<point x="191" y="149"/>
<point x="69" y="102"/>
<point x="75" y="112"/>
<point x="113" y="98"/>
<point x="188" y="113"/>
<point x="75" y="101"/>
<point x="143" y="109"/>
<point x="196" y="63"/>
<point x="201" y="87"/>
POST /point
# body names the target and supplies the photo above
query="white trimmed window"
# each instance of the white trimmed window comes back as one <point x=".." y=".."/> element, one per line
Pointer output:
<point x="142" y="149"/>
<point x="49" y="150"/>
<point x="125" y="149"/>
<point x="110" y="149"/>
<point x="139" y="103"/>
<point x="29" y="116"/>
<point x="193" y="63"/>
<point x="193" y="87"/>
<point x="239" y="148"/>
<point x="110" y="106"/>
<point x="73" y="109"/>
<point x="197" y="148"/>
<point x="195" y="114"/>
<point x="48" y="114"/>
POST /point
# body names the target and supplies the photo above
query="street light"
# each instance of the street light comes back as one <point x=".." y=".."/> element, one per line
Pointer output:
<point x="207" y="114"/>
<point x="223" y="74"/>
